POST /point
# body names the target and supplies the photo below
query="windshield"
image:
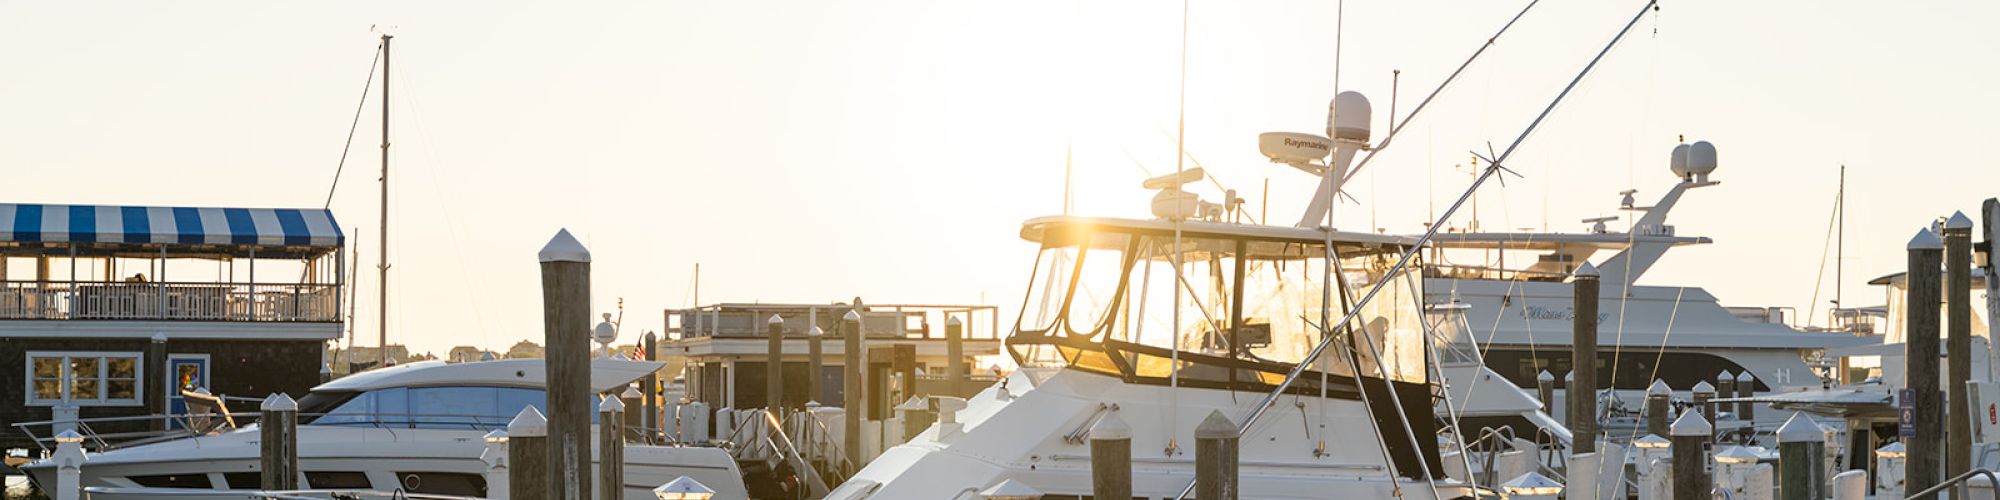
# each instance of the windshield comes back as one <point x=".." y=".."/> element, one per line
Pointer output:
<point x="1239" y="298"/>
<point x="480" y="408"/>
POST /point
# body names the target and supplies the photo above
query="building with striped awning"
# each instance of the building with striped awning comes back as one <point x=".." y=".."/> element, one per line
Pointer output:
<point x="114" y="311"/>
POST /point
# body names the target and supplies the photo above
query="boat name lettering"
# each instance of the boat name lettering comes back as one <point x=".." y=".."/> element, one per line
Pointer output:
<point x="1539" y="312"/>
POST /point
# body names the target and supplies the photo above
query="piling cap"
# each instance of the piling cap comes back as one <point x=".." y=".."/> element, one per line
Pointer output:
<point x="1531" y="484"/>
<point x="1926" y="240"/>
<point x="631" y="392"/>
<point x="775" y="320"/>
<point x="1659" y="388"/>
<point x="1544" y="376"/>
<point x="610" y="405"/>
<point x="1703" y="387"/>
<point x="1216" y="426"/>
<point x="1691" y="424"/>
<point x="69" y="436"/>
<point x="1891" y="450"/>
<point x="1958" y="220"/>
<point x="953" y="321"/>
<point x="564" y="248"/>
<point x="159" y="337"/>
<point x="1741" y="378"/>
<point x="852" y="315"/>
<point x="684" y="486"/>
<point x="1800" y="429"/>
<point x="1738" y="455"/>
<point x="1569" y="377"/>
<point x="529" y="423"/>
<point x="915" y="403"/>
<point x="1110" y="427"/>
<point x="497" y="436"/>
<point x="1725" y="375"/>
<point x="1652" y="441"/>
<point x="1585" y="270"/>
<point x="279" y="402"/>
<point x="815" y="332"/>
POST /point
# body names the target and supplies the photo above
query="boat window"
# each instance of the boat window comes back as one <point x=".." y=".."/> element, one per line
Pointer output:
<point x="344" y="480"/>
<point x="435" y="407"/>
<point x="244" y="480"/>
<point x="443" y="483"/>
<point x="1099" y="285"/>
<point x="195" y="481"/>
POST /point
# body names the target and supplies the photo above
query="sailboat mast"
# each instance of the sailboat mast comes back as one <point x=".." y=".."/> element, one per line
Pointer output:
<point x="1840" y="236"/>
<point x="382" y="330"/>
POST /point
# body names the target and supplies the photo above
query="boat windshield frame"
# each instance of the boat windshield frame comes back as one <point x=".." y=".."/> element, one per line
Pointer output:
<point x="1088" y="345"/>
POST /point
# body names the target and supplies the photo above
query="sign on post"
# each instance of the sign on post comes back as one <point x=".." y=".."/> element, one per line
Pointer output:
<point x="1906" y="412"/>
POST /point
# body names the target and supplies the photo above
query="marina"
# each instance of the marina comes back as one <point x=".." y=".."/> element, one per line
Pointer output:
<point x="900" y="307"/>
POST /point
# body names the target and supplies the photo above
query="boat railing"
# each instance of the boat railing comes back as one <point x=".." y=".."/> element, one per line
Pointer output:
<point x="128" y="492"/>
<point x="190" y="301"/>
<point x="1470" y="272"/>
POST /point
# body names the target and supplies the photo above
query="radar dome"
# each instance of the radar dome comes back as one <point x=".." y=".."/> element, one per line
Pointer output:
<point x="1701" y="160"/>
<point x="1293" y="148"/>
<point x="1679" y="164"/>
<point x="1350" y="115"/>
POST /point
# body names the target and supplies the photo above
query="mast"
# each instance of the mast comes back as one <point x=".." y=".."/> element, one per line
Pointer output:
<point x="382" y="331"/>
<point x="1840" y="236"/>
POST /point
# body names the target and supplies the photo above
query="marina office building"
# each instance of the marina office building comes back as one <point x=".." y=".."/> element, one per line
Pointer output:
<point x="112" y="311"/>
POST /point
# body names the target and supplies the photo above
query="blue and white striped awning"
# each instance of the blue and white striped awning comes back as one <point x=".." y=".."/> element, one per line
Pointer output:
<point x="21" y="222"/>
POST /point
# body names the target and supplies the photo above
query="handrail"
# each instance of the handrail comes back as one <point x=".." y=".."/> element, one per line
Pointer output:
<point x="1082" y="432"/>
<point x="1990" y="477"/>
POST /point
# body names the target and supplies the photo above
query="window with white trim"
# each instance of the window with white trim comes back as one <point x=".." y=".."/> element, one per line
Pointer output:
<point x="84" y="378"/>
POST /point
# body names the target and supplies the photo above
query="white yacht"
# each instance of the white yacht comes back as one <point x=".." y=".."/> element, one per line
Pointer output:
<point x="1520" y="307"/>
<point x="414" y="427"/>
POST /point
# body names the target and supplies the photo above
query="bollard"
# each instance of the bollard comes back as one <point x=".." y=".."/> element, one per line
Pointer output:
<point x="1921" y="355"/>
<point x="278" y="450"/>
<point x="1691" y="436"/>
<point x="495" y="459"/>
<point x="1798" y="443"/>
<point x="1659" y="398"/>
<point x="69" y="460"/>
<point x="815" y="363"/>
<point x="528" y="455"/>
<point x="954" y="351"/>
<point x="1582" y="395"/>
<point x="1746" y="388"/>
<point x="1215" y="451"/>
<point x="1850" y="485"/>
<point x="1110" y="458"/>
<point x="1703" y="404"/>
<point x="1545" y="388"/>
<point x="1958" y="343"/>
<point x="611" y="449"/>
<point x="851" y="380"/>
<point x="565" y="265"/>
<point x="774" y="364"/>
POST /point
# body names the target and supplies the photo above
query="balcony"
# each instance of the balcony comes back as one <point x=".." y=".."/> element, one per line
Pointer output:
<point x="257" y="302"/>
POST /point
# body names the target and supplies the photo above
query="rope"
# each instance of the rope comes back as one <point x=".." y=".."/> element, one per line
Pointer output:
<point x="352" y="126"/>
<point x="1821" y="274"/>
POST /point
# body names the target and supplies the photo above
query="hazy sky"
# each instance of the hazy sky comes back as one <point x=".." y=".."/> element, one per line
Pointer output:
<point x="815" y="151"/>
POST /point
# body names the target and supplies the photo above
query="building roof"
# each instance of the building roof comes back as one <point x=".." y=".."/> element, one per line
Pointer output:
<point x="292" y="227"/>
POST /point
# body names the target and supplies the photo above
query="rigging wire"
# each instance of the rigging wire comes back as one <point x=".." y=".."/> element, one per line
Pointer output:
<point x="1820" y="275"/>
<point x="351" y="127"/>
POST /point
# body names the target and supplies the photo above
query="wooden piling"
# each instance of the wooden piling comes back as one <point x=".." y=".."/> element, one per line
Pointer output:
<point x="954" y="351"/>
<point x="278" y="457"/>
<point x="1111" y="458"/>
<point x="774" y="365"/>
<point x="528" y="455"/>
<point x="1958" y="343"/>
<point x="650" y="388"/>
<point x="1691" y="436"/>
<point x="1545" y="388"/>
<point x="1215" y="442"/>
<point x="815" y="363"/>
<point x="1659" y="399"/>
<point x="1800" y="458"/>
<point x="1922" y="468"/>
<point x="1704" y="394"/>
<point x="1725" y="387"/>
<point x="611" y="449"/>
<point x="1746" y="387"/>
<point x="566" y="340"/>
<point x="852" y="386"/>
<point x="1582" y="394"/>
<point x="156" y="378"/>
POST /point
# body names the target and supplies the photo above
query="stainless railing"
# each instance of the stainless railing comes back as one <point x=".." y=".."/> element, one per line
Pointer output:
<point x="273" y="302"/>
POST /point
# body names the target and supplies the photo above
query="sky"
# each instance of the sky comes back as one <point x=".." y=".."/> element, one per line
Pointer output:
<point x="819" y="151"/>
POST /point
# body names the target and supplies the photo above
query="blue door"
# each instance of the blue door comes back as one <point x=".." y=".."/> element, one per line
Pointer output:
<point x="187" y="371"/>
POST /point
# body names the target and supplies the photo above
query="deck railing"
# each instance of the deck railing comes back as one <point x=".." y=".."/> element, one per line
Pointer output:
<point x="264" y="302"/>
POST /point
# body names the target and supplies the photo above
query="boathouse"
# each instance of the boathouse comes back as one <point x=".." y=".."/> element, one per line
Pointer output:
<point x="111" y="311"/>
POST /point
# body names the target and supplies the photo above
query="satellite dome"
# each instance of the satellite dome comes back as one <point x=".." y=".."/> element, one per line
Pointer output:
<point x="1701" y="160"/>
<point x="1679" y="164"/>
<point x="1349" y="116"/>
